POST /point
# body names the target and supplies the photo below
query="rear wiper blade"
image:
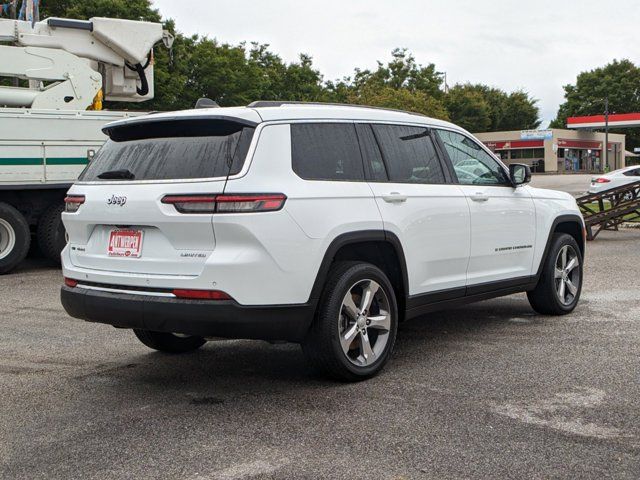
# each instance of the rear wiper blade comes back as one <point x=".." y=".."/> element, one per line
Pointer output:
<point x="122" y="174"/>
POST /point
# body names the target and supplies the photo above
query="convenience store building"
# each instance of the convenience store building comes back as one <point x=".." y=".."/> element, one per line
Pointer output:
<point x="557" y="150"/>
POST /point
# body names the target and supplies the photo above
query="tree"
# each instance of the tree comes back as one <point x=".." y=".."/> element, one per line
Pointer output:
<point x="238" y="74"/>
<point x="618" y="80"/>
<point x="85" y="9"/>
<point x="399" y="99"/>
<point x="506" y="111"/>
<point x="401" y="84"/>
<point x="402" y="72"/>
<point x="468" y="108"/>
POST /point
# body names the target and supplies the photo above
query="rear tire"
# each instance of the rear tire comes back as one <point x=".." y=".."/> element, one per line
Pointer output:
<point x="169" y="342"/>
<point x="15" y="238"/>
<point x="51" y="233"/>
<point x="560" y="284"/>
<point x="354" y="330"/>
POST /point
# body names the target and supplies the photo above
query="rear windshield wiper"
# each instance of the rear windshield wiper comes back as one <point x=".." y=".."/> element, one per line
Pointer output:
<point x="123" y="174"/>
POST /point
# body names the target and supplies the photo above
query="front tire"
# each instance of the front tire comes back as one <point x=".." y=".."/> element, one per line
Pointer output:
<point x="169" y="342"/>
<point x="354" y="330"/>
<point x="560" y="284"/>
<point x="15" y="238"/>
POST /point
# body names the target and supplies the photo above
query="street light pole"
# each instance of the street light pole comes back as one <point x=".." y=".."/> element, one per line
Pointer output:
<point x="605" y="167"/>
<point x="446" y="87"/>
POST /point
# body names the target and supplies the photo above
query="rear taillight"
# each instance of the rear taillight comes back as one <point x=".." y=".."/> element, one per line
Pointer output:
<point x="249" y="203"/>
<point x="227" y="203"/>
<point x="72" y="203"/>
<point x="70" y="282"/>
<point x="602" y="180"/>
<point x="201" y="294"/>
<point x="192" y="203"/>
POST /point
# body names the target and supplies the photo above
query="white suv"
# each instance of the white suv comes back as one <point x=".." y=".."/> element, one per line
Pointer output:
<point x="319" y="224"/>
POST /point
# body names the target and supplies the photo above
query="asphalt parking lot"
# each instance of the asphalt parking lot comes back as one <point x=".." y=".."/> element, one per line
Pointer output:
<point x="485" y="391"/>
<point x="575" y="184"/>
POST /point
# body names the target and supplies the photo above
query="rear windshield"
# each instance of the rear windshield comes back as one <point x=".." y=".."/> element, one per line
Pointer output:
<point x="174" y="150"/>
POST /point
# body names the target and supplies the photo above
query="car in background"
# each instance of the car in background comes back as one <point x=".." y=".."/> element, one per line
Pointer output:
<point x="615" y="179"/>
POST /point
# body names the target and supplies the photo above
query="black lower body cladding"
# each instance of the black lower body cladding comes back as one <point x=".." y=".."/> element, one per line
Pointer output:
<point x="204" y="318"/>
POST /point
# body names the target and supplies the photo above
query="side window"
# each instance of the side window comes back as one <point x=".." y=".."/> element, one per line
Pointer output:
<point x="473" y="166"/>
<point x="371" y="153"/>
<point x="408" y="154"/>
<point x="632" y="173"/>
<point x="326" y="151"/>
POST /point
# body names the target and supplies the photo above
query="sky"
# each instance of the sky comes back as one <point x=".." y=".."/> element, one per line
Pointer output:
<point x="537" y="46"/>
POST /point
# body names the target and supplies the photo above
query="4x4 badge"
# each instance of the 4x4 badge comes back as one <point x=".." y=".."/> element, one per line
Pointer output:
<point x="116" y="200"/>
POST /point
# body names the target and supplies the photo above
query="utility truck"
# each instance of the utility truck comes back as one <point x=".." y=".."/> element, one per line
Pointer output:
<point x="51" y="119"/>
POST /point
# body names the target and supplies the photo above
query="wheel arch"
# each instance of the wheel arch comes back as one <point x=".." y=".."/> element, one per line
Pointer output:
<point x="378" y="247"/>
<point x="570" y="224"/>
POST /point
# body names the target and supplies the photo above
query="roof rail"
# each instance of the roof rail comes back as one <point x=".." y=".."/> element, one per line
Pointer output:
<point x="280" y="103"/>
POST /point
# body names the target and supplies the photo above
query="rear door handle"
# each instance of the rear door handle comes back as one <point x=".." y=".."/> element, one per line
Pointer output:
<point x="394" y="197"/>
<point x="479" y="197"/>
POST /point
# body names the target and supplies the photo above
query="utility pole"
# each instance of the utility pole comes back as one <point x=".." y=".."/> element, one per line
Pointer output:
<point x="446" y="87"/>
<point x="605" y="166"/>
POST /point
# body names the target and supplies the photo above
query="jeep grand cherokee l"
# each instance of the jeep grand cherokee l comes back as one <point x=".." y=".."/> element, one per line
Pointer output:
<point x="324" y="225"/>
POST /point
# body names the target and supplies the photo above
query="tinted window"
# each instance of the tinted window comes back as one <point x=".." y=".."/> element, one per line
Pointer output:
<point x="473" y="166"/>
<point x="215" y="153"/>
<point x="408" y="154"/>
<point x="632" y="173"/>
<point x="371" y="153"/>
<point x="326" y="151"/>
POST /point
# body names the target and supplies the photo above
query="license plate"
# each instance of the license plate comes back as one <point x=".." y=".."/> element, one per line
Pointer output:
<point x="125" y="243"/>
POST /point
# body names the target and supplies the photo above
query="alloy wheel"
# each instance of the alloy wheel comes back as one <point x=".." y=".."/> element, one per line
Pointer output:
<point x="567" y="274"/>
<point x="364" y="322"/>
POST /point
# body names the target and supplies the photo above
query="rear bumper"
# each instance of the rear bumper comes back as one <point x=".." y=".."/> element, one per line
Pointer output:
<point x="203" y="318"/>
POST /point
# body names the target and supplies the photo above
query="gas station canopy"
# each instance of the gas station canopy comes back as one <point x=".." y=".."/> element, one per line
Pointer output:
<point x="626" y="120"/>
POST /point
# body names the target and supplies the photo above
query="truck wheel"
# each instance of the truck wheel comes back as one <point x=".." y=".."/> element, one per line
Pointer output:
<point x="560" y="284"/>
<point x="352" y="335"/>
<point x="51" y="233"/>
<point x="15" y="238"/>
<point x="169" y="342"/>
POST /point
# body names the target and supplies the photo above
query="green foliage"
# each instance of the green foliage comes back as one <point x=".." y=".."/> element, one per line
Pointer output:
<point x="401" y="84"/>
<point x="468" y="108"/>
<point x="238" y="74"/>
<point x="481" y="108"/>
<point x="618" y="80"/>
<point x="85" y="9"/>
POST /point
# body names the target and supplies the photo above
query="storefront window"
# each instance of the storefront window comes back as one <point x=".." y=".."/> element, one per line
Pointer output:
<point x="528" y="153"/>
<point x="580" y="160"/>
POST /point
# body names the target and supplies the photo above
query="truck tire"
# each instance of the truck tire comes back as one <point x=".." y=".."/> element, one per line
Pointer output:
<point x="51" y="233"/>
<point x="15" y="238"/>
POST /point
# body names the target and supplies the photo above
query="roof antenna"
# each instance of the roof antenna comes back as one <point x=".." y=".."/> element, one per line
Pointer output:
<point x="205" y="102"/>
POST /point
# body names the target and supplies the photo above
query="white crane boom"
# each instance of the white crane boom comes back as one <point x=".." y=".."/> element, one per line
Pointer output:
<point x="78" y="58"/>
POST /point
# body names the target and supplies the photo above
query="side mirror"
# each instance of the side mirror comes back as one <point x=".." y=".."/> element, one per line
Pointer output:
<point x="519" y="174"/>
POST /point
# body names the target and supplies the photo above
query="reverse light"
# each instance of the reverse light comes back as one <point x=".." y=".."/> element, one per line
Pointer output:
<point x="249" y="203"/>
<point x="201" y="294"/>
<point x="226" y="203"/>
<point x="70" y="282"/>
<point x="72" y="203"/>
